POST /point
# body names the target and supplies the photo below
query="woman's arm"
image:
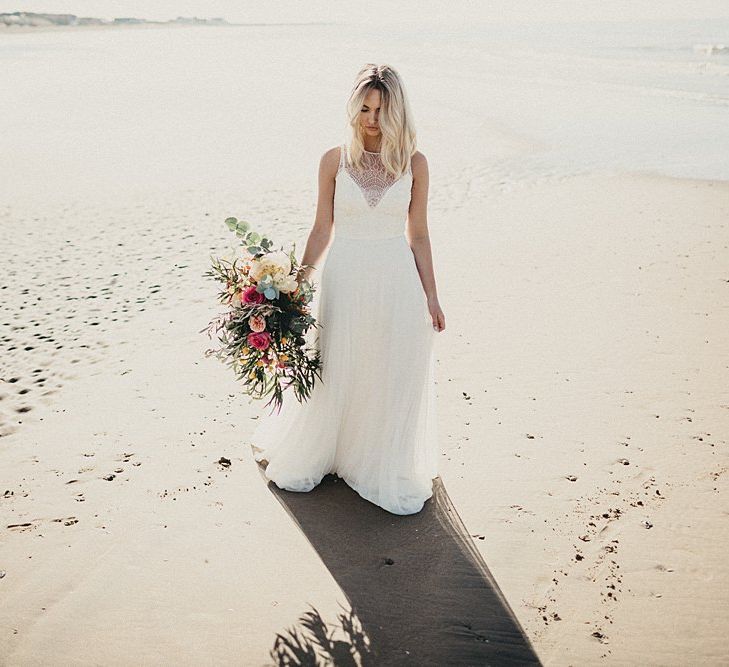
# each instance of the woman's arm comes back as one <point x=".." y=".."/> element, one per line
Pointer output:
<point x="419" y="239"/>
<point x="321" y="232"/>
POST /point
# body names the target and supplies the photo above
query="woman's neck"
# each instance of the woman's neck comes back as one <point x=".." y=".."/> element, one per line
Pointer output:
<point x="372" y="147"/>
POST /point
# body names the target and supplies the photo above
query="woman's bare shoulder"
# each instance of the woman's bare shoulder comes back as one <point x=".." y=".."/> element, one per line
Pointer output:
<point x="329" y="162"/>
<point x="419" y="163"/>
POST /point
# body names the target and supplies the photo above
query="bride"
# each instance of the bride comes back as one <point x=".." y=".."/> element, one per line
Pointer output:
<point x="371" y="419"/>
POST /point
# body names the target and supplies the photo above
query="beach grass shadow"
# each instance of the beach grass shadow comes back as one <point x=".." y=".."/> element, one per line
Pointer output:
<point x="316" y="643"/>
<point x="416" y="583"/>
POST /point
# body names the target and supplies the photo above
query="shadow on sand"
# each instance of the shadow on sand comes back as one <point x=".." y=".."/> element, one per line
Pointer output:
<point x="419" y="591"/>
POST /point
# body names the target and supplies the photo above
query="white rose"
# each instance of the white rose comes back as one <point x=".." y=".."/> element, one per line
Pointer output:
<point x="287" y="284"/>
<point x="271" y="263"/>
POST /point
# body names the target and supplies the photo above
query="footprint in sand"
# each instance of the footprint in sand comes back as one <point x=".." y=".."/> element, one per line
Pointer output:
<point x="67" y="521"/>
<point x="22" y="527"/>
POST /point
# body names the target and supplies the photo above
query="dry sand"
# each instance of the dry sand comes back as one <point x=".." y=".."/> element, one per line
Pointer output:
<point x="582" y="387"/>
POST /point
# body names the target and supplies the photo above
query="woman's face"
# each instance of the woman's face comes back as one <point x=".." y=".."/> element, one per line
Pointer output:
<point x="369" y="116"/>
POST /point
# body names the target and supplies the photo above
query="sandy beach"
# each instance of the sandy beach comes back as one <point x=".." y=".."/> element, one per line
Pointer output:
<point x="580" y="516"/>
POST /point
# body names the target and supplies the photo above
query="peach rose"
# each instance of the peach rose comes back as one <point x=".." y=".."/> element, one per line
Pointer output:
<point x="257" y="323"/>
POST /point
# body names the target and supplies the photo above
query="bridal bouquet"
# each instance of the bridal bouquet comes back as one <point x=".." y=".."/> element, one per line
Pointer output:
<point x="262" y="334"/>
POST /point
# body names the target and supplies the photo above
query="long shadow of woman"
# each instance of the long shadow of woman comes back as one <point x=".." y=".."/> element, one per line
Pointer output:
<point x="417" y="586"/>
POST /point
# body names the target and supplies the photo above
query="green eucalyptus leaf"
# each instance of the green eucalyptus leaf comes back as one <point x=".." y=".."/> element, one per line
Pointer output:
<point x="254" y="238"/>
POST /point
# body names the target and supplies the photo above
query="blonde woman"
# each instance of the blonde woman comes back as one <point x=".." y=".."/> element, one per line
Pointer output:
<point x="371" y="420"/>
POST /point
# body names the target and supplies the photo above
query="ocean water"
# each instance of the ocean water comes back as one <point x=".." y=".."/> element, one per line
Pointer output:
<point x="104" y="113"/>
<point x="638" y="95"/>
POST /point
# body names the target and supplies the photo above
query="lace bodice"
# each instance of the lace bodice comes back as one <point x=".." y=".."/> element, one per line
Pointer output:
<point x="371" y="203"/>
<point x="374" y="180"/>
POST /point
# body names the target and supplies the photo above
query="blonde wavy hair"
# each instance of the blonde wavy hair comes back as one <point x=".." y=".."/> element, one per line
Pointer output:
<point x="395" y="120"/>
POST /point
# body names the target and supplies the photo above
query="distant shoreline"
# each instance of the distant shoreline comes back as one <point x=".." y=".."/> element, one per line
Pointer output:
<point x="12" y="30"/>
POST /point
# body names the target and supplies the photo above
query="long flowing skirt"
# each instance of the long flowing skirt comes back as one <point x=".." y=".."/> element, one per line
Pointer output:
<point x="372" y="418"/>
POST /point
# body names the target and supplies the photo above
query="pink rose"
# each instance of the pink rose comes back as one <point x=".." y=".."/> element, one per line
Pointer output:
<point x="250" y="295"/>
<point x="257" y="323"/>
<point x="260" y="341"/>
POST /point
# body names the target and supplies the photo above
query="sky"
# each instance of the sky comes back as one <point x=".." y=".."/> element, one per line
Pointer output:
<point x="374" y="11"/>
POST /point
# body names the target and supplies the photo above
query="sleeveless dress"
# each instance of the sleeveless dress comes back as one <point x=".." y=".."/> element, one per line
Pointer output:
<point x="371" y="420"/>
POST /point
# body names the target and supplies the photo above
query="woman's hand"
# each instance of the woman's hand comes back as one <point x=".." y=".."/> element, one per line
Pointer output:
<point x="436" y="314"/>
<point x="304" y="273"/>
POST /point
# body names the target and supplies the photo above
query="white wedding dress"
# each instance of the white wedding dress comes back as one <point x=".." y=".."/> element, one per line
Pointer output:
<point x="372" y="417"/>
